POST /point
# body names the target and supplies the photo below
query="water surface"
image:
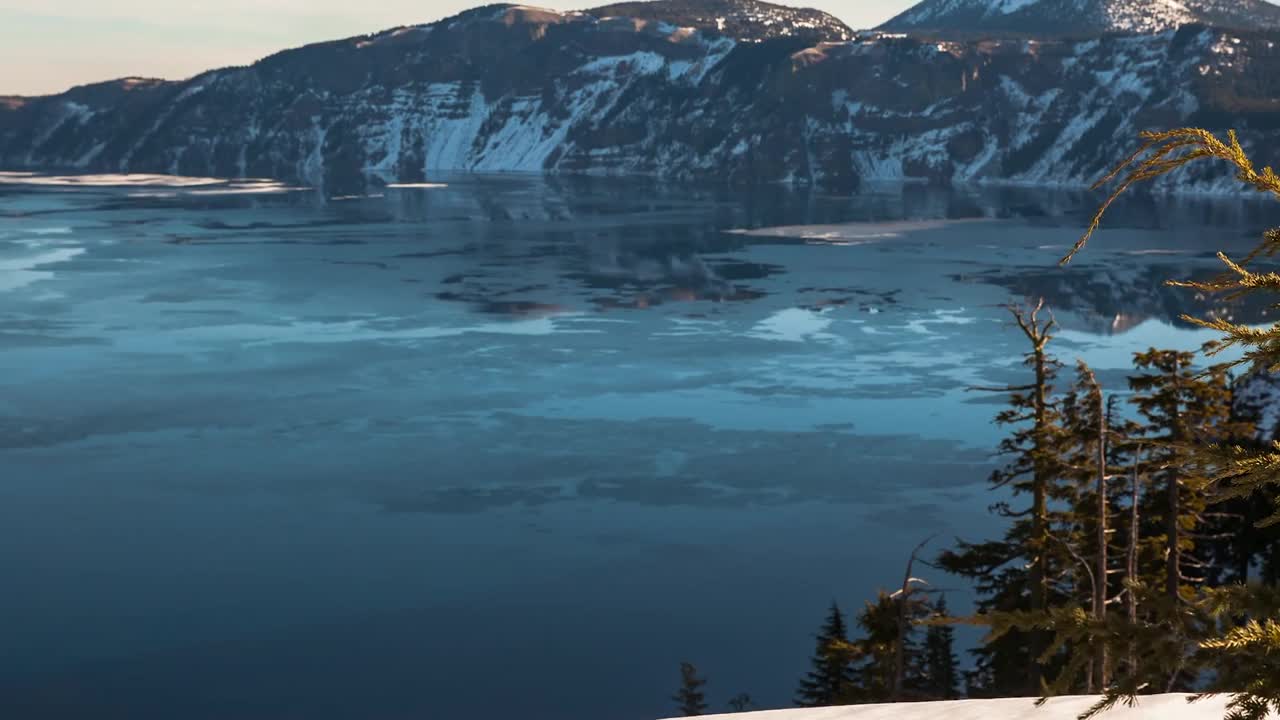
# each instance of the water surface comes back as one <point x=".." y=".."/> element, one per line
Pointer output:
<point x="511" y="445"/>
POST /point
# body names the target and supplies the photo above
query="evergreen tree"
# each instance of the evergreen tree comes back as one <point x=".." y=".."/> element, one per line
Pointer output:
<point x="1182" y="411"/>
<point x="1241" y="549"/>
<point x="876" y="650"/>
<point x="940" y="675"/>
<point x="1102" y="442"/>
<point x="889" y="661"/>
<point x="1177" y="407"/>
<point x="830" y="681"/>
<point x="1159" y="629"/>
<point x="1001" y="661"/>
<point x="1242" y="647"/>
<point x="741" y="702"/>
<point x="689" y="698"/>
<point x="1018" y="573"/>
<point x="1097" y="450"/>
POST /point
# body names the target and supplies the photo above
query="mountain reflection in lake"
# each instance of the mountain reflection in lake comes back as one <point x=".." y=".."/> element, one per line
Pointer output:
<point x="427" y="454"/>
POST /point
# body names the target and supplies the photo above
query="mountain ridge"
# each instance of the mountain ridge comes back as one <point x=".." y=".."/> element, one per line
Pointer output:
<point x="517" y="88"/>
<point x="1049" y="18"/>
<point x="740" y="19"/>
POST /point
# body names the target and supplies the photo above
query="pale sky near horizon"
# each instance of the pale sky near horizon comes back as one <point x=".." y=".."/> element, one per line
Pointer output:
<point x="48" y="46"/>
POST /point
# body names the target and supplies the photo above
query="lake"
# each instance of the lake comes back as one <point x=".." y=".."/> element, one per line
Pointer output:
<point x="512" y="446"/>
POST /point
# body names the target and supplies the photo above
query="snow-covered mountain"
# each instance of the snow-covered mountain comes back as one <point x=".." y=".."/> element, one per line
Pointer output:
<point x="724" y="89"/>
<point x="739" y="19"/>
<point x="1079" y="17"/>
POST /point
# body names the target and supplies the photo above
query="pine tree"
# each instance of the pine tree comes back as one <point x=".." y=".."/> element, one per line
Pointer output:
<point x="1241" y="550"/>
<point x="1161" y="626"/>
<point x="1244" y="649"/>
<point x="1017" y="574"/>
<point x="1150" y="643"/>
<point x="689" y="698"/>
<point x="1001" y="585"/>
<point x="940" y="676"/>
<point x="1182" y="411"/>
<point x="741" y="702"/>
<point x="1088" y="535"/>
<point x="830" y="681"/>
<point x="1075" y="457"/>
<point x="911" y="606"/>
<point x="876" y="663"/>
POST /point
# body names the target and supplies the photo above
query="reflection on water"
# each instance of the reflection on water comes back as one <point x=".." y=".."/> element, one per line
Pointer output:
<point x="269" y="454"/>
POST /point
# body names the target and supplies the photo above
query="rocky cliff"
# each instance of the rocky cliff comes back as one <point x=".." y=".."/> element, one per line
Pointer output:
<point x="684" y="89"/>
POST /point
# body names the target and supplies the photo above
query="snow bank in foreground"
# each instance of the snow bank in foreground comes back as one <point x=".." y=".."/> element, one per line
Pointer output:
<point x="1152" y="707"/>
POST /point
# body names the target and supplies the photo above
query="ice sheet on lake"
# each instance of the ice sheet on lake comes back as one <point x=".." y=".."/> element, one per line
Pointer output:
<point x="794" y="325"/>
<point x="172" y="183"/>
<point x="331" y="333"/>
<point x="856" y="233"/>
<point x="20" y="272"/>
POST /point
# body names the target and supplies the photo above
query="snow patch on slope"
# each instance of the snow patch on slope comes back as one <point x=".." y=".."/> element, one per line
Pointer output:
<point x="1258" y="394"/>
<point x="1004" y="7"/>
<point x="69" y="112"/>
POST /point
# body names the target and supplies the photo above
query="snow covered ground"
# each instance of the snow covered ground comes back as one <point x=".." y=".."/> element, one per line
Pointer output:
<point x="1164" y="707"/>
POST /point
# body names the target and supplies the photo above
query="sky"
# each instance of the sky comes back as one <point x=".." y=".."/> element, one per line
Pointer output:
<point x="48" y="46"/>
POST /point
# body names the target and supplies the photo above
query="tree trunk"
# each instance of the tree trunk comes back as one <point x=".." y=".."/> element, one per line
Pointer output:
<point x="1100" y="573"/>
<point x="1131" y="566"/>
<point x="1039" y="520"/>
<point x="1041" y="472"/>
<point x="1173" y="566"/>
<point x="899" y="648"/>
<point x="899" y="651"/>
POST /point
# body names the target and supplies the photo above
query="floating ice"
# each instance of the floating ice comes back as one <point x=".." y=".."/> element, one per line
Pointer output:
<point x="190" y="185"/>
<point x="851" y="233"/>
<point x="20" y="272"/>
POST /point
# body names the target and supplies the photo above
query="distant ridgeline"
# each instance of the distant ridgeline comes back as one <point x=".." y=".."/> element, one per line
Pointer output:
<point x="1024" y="91"/>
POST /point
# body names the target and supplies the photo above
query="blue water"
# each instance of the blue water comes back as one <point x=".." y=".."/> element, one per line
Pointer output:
<point x="512" y="447"/>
